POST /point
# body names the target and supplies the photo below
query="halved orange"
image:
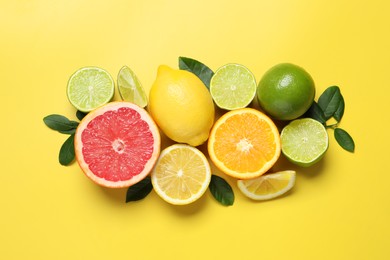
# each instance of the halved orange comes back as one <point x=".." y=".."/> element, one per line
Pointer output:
<point x="244" y="143"/>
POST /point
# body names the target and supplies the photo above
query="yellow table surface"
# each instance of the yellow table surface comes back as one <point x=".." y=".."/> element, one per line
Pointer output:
<point x="338" y="209"/>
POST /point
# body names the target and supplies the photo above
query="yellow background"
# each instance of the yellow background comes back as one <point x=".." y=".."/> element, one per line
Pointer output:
<point x="338" y="209"/>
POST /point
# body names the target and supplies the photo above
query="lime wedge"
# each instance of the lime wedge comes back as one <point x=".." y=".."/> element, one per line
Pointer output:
<point x="89" y="88"/>
<point x="130" y="88"/>
<point x="304" y="141"/>
<point x="233" y="86"/>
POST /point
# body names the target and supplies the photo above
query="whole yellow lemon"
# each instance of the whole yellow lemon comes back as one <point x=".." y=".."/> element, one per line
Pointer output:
<point x="181" y="105"/>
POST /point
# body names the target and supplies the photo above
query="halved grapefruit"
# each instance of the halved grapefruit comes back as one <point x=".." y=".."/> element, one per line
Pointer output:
<point x="117" y="144"/>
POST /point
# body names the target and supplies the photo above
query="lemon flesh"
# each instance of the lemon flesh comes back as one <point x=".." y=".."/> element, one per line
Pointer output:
<point x="181" y="105"/>
<point x="267" y="186"/>
<point x="182" y="174"/>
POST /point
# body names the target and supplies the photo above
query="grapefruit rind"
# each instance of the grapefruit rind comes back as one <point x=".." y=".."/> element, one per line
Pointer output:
<point x="78" y="144"/>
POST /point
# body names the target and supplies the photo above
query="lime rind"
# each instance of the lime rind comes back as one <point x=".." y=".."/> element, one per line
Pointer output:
<point x="130" y="88"/>
<point x="304" y="141"/>
<point x="89" y="88"/>
<point x="233" y="86"/>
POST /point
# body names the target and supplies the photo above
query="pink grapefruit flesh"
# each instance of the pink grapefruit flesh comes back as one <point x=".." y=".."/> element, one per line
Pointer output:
<point x="117" y="144"/>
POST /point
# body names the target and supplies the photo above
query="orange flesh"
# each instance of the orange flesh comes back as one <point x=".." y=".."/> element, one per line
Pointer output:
<point x="245" y="143"/>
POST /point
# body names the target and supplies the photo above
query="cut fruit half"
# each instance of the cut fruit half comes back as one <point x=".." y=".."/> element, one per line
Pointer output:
<point x="117" y="144"/>
<point x="244" y="143"/>
<point x="181" y="175"/>
<point x="89" y="88"/>
<point x="233" y="86"/>
<point x="304" y="141"/>
<point x="268" y="186"/>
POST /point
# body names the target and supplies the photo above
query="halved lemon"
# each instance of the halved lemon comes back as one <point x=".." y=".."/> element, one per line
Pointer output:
<point x="267" y="186"/>
<point x="182" y="174"/>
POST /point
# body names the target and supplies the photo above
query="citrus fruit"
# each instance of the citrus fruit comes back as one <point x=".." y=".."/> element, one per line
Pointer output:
<point x="244" y="143"/>
<point x="182" y="174"/>
<point x="181" y="105"/>
<point x="267" y="186"/>
<point x="117" y="144"/>
<point x="89" y="88"/>
<point x="286" y="91"/>
<point x="130" y="88"/>
<point x="304" y="141"/>
<point x="233" y="86"/>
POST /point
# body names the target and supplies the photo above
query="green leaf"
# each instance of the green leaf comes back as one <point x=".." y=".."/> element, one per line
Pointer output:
<point x="221" y="190"/>
<point x="80" y="115"/>
<point x="68" y="132"/>
<point x="330" y="100"/>
<point x="139" y="190"/>
<point x="60" y="124"/>
<point x="344" y="140"/>
<point x="316" y="113"/>
<point x="338" y="115"/>
<point x="199" y="69"/>
<point x="66" y="155"/>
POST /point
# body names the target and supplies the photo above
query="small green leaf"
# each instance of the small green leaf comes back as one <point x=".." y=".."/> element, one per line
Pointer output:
<point x="199" y="69"/>
<point x="139" y="190"/>
<point x="344" y="140"/>
<point x="330" y="100"/>
<point x="338" y="115"/>
<point x="316" y="113"/>
<point x="60" y="123"/>
<point x="66" y="155"/>
<point x="80" y="115"/>
<point x="221" y="190"/>
<point x="68" y="132"/>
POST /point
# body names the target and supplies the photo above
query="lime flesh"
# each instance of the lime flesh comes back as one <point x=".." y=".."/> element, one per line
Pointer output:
<point x="233" y="86"/>
<point x="130" y="88"/>
<point x="304" y="141"/>
<point x="89" y="88"/>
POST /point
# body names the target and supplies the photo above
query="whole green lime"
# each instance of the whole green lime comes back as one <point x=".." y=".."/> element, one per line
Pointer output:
<point x="286" y="91"/>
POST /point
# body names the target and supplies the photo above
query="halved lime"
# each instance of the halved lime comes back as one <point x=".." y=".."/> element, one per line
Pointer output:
<point x="233" y="86"/>
<point x="89" y="88"/>
<point x="304" y="141"/>
<point x="130" y="88"/>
